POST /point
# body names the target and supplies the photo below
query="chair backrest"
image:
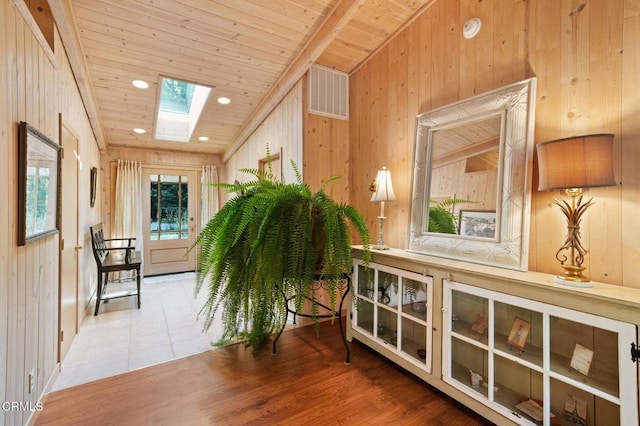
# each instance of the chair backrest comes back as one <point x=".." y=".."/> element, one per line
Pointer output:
<point x="98" y="244"/>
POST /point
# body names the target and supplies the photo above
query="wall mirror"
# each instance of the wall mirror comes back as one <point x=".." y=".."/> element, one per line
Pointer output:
<point x="471" y="188"/>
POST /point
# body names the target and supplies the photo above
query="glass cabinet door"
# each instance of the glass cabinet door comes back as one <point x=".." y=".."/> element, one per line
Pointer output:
<point x="538" y="364"/>
<point x="393" y="306"/>
<point x="363" y="312"/>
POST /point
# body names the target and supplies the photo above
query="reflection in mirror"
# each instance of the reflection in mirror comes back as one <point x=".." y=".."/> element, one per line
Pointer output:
<point x="464" y="175"/>
<point x="471" y="190"/>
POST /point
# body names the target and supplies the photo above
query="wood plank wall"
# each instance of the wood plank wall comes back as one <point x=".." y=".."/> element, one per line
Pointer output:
<point x="325" y="152"/>
<point x="281" y="131"/>
<point x="35" y="89"/>
<point x="586" y="56"/>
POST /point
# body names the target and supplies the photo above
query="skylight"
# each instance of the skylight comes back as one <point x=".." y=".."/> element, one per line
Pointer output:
<point x="179" y="109"/>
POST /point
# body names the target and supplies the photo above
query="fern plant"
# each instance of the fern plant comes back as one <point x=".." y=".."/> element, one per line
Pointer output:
<point x="267" y="245"/>
<point x="441" y="218"/>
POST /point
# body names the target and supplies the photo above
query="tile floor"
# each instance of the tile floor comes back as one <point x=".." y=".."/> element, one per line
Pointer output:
<point x="122" y="338"/>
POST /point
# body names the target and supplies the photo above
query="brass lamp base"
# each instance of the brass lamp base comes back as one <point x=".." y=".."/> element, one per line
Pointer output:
<point x="573" y="276"/>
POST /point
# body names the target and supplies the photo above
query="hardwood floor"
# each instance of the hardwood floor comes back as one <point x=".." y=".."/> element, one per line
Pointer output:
<point x="307" y="383"/>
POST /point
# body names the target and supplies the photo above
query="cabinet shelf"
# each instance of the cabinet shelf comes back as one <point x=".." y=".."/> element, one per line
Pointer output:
<point x="530" y="357"/>
<point x="462" y="330"/>
<point x="408" y="310"/>
<point x="595" y="382"/>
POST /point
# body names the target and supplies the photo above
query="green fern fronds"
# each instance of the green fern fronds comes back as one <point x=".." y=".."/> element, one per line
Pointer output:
<point x="262" y="250"/>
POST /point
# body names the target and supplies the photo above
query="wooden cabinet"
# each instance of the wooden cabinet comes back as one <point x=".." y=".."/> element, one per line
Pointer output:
<point x="536" y="363"/>
<point x="511" y="345"/>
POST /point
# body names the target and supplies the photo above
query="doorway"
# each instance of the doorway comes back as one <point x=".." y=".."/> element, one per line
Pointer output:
<point x="68" y="291"/>
<point x="169" y="220"/>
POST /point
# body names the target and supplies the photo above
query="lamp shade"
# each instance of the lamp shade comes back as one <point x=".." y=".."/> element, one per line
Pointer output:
<point x="384" y="189"/>
<point x="576" y="162"/>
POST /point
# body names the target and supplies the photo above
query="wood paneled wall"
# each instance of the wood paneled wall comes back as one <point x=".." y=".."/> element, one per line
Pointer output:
<point x="325" y="152"/>
<point x="586" y="57"/>
<point x="35" y="89"/>
<point x="281" y="131"/>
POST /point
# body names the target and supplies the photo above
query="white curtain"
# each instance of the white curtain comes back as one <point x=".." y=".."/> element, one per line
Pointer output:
<point x="210" y="204"/>
<point x="128" y="208"/>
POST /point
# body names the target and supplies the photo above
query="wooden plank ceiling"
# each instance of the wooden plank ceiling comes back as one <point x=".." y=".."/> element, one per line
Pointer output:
<point x="249" y="51"/>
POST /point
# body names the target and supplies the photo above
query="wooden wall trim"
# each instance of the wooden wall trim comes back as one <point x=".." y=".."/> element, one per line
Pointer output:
<point x="68" y="31"/>
<point x="35" y="29"/>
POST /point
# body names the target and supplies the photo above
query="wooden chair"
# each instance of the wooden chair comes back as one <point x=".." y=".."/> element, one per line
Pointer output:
<point x="114" y="259"/>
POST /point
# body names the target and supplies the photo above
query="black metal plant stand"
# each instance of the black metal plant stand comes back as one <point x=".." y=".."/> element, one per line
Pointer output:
<point x="332" y="314"/>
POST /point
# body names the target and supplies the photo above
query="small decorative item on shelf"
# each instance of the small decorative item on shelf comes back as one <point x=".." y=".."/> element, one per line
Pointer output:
<point x="480" y="325"/>
<point x="419" y="307"/>
<point x="581" y="359"/>
<point x="532" y="409"/>
<point x="383" y="296"/>
<point x="475" y="379"/>
<point x="381" y="330"/>
<point x="575" y="410"/>
<point x="394" y="338"/>
<point x="422" y="353"/>
<point x="519" y="333"/>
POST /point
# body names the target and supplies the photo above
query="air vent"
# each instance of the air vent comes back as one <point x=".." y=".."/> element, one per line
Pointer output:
<point x="328" y="92"/>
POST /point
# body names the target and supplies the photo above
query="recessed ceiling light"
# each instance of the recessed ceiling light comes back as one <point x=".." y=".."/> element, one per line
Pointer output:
<point x="203" y="138"/>
<point x="140" y="84"/>
<point x="139" y="130"/>
<point x="471" y="28"/>
<point x="224" y="101"/>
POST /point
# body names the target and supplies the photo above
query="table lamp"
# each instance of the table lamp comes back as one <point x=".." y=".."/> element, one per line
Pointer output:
<point x="573" y="164"/>
<point x="382" y="191"/>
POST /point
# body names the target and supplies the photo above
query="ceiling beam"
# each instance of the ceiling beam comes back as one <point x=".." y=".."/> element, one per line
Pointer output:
<point x="335" y="21"/>
<point x="66" y="25"/>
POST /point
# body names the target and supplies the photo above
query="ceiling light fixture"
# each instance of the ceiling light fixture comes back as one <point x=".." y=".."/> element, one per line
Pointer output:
<point x="203" y="138"/>
<point x="224" y="101"/>
<point x="139" y="130"/>
<point x="471" y="28"/>
<point x="140" y="84"/>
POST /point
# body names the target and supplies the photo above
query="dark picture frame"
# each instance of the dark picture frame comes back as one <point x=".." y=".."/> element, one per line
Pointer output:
<point x="93" y="183"/>
<point x="38" y="185"/>
<point x="477" y="223"/>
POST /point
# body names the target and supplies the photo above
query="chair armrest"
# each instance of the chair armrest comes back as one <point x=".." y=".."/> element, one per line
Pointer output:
<point x="130" y="241"/>
<point x="128" y="246"/>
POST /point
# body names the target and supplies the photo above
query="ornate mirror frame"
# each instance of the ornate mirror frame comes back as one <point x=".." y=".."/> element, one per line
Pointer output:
<point x="509" y="248"/>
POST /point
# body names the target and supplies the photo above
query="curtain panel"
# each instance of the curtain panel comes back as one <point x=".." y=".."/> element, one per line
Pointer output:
<point x="128" y="203"/>
<point x="209" y="194"/>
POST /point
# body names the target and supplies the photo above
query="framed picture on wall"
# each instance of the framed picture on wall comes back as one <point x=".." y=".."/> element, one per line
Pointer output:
<point x="92" y="183"/>
<point x="477" y="223"/>
<point x="38" y="185"/>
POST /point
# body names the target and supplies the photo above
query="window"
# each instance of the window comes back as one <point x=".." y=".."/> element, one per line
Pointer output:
<point x="169" y="207"/>
<point x="179" y="109"/>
